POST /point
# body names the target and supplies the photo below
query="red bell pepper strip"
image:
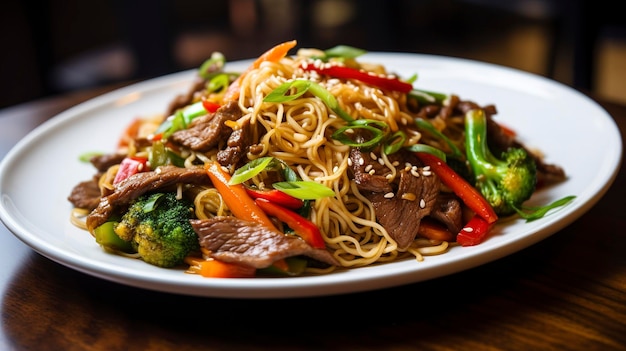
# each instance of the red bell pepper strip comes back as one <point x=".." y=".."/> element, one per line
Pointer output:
<point x="130" y="166"/>
<point x="470" y="195"/>
<point x="379" y="81"/>
<point x="210" y="106"/>
<point x="276" y="196"/>
<point x="306" y="229"/>
<point x="474" y="232"/>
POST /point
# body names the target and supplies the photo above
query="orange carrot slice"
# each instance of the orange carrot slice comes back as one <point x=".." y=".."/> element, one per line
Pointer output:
<point x="274" y="54"/>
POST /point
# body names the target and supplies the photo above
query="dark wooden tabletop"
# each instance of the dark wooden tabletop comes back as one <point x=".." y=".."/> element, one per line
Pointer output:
<point x="567" y="292"/>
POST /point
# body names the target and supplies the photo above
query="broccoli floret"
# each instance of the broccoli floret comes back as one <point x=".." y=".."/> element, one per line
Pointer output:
<point x="157" y="225"/>
<point x="505" y="182"/>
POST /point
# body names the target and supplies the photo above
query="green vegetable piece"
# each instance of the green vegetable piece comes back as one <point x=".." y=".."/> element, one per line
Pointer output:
<point x="505" y="182"/>
<point x="86" y="157"/>
<point x="157" y="225"/>
<point x="250" y="169"/>
<point x="304" y="189"/>
<point x="158" y="155"/>
<point x="394" y="142"/>
<point x="344" y="51"/>
<point x="428" y="149"/>
<point x="532" y="213"/>
<point x="427" y="97"/>
<point x="215" y="63"/>
<point x="422" y="123"/>
<point x="109" y="240"/>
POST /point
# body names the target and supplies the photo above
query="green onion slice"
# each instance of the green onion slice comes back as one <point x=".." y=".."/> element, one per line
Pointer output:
<point x="421" y="123"/>
<point x="344" y="51"/>
<point x="394" y="142"/>
<point x="427" y="149"/>
<point x="217" y="59"/>
<point x="304" y="190"/>
<point x="250" y="170"/>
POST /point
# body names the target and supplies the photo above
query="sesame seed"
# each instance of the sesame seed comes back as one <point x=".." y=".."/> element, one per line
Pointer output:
<point x="426" y="168"/>
<point x="426" y="173"/>
<point x="335" y="169"/>
<point x="361" y="161"/>
<point x="415" y="173"/>
<point x="389" y="195"/>
<point x="395" y="163"/>
<point x="373" y="156"/>
<point x="389" y="176"/>
<point x="468" y="229"/>
<point x="422" y="203"/>
<point x="368" y="168"/>
<point x="371" y="172"/>
<point x="381" y="161"/>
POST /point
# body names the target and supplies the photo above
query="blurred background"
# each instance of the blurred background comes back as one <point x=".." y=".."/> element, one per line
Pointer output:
<point x="58" y="46"/>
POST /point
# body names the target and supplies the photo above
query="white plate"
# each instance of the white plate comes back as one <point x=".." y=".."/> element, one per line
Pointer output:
<point x="37" y="175"/>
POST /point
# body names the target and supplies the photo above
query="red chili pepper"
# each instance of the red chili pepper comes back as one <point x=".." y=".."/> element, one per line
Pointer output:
<point x="130" y="166"/>
<point x="382" y="82"/>
<point x="470" y="195"/>
<point x="474" y="232"/>
<point x="277" y="197"/>
<point x="306" y="229"/>
<point x="210" y="106"/>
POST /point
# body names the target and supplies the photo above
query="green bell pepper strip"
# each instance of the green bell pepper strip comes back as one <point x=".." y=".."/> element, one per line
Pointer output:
<point x="107" y="238"/>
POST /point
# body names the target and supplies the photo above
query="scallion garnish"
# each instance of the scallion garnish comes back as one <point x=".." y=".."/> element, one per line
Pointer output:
<point x="427" y="149"/>
<point x="250" y="170"/>
<point x="304" y="190"/>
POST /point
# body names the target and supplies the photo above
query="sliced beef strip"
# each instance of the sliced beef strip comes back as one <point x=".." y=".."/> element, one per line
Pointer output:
<point x="230" y="239"/>
<point x="103" y="162"/>
<point x="236" y="146"/>
<point x="400" y="216"/>
<point x="85" y="194"/>
<point x="377" y="182"/>
<point x="205" y="132"/>
<point x="448" y="211"/>
<point x="185" y="99"/>
<point x="363" y="163"/>
<point x="141" y="183"/>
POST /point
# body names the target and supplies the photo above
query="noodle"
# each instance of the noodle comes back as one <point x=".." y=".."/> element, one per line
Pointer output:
<point x="297" y="132"/>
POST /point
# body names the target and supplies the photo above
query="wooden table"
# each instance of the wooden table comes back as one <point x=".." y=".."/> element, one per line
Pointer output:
<point x="567" y="292"/>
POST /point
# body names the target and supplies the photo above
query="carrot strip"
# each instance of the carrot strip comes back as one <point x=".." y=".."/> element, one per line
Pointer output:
<point x="274" y="54"/>
<point x="220" y="269"/>
<point x="236" y="198"/>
